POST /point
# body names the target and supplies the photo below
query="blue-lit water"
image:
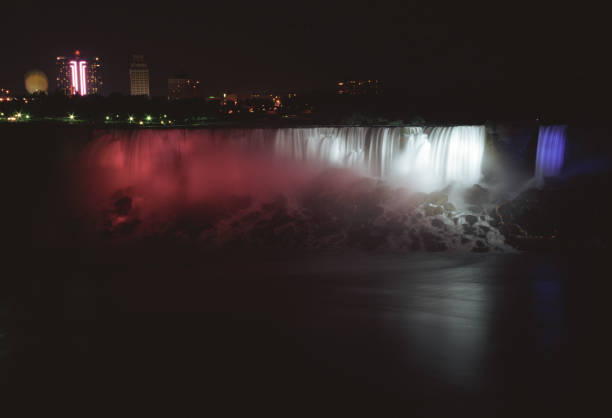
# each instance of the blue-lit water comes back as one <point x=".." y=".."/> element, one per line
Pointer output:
<point x="551" y="151"/>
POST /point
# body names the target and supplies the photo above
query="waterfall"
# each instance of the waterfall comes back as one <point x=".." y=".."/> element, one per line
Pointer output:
<point x="457" y="153"/>
<point x="422" y="158"/>
<point x="430" y="157"/>
<point x="551" y="151"/>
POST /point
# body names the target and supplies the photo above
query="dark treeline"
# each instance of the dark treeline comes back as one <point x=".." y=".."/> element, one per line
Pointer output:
<point x="460" y="105"/>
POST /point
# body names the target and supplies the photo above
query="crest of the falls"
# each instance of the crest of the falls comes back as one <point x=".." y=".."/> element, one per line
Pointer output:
<point x="551" y="151"/>
<point x="428" y="158"/>
<point x="421" y="158"/>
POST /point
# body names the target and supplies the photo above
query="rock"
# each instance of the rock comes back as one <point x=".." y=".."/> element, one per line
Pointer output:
<point x="436" y="198"/>
<point x="471" y="219"/>
<point x="480" y="247"/>
<point x="438" y="223"/>
<point x="432" y="242"/>
<point x="484" y="229"/>
<point x="476" y="195"/>
<point x="123" y="205"/>
<point x="449" y="206"/>
<point x="465" y="240"/>
<point x="432" y="210"/>
<point x="418" y="198"/>
<point x="415" y="244"/>
<point x="475" y="209"/>
<point x="468" y="229"/>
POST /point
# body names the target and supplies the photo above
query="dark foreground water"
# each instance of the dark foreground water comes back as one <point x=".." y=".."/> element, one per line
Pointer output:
<point x="181" y="333"/>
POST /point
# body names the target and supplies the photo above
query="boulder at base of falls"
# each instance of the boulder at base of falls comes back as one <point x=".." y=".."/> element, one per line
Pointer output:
<point x="432" y="242"/>
<point x="448" y="206"/>
<point x="437" y="223"/>
<point x="469" y="230"/>
<point x="432" y="210"/>
<point x="480" y="247"/>
<point x="471" y="219"/>
<point x="437" y="198"/>
<point x="476" y="195"/>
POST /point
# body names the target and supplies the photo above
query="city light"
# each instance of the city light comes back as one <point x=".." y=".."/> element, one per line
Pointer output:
<point x="131" y="118"/>
<point x="108" y="118"/>
<point x="18" y="115"/>
<point x="71" y="116"/>
<point x="83" y="77"/>
<point x="78" y="76"/>
<point x="74" y="78"/>
<point x="149" y="118"/>
<point x="141" y="123"/>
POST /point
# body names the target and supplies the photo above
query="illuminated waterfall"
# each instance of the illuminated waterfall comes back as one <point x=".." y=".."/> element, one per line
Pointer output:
<point x="551" y="151"/>
<point x="430" y="158"/>
<point x="421" y="158"/>
<point x="457" y="153"/>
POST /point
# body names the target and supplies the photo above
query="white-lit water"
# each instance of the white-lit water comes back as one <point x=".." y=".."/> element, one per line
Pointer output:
<point x="426" y="157"/>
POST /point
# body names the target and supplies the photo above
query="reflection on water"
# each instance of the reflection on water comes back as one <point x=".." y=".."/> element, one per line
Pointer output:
<point x="548" y="307"/>
<point x="369" y="328"/>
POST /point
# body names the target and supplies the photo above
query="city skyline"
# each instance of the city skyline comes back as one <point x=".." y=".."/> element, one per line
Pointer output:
<point x="429" y="49"/>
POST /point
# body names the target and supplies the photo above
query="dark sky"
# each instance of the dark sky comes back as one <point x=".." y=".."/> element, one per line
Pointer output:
<point x="242" y="46"/>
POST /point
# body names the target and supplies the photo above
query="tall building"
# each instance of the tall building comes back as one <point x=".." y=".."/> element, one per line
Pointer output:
<point x="139" y="76"/>
<point x="183" y="87"/>
<point x="78" y="75"/>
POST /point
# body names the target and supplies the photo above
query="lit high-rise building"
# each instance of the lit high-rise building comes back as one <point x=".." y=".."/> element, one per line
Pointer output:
<point x="77" y="75"/>
<point x="139" y="76"/>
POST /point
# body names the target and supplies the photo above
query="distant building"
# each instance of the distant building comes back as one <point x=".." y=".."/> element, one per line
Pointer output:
<point x="139" y="76"/>
<point x="183" y="87"/>
<point x="358" y="87"/>
<point x="5" y="95"/>
<point x="230" y="98"/>
<point x="79" y="76"/>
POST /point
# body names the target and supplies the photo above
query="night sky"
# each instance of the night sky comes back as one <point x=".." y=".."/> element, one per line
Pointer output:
<point x="257" y="45"/>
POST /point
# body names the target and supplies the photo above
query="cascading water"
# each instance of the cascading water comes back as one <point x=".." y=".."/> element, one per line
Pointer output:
<point x="457" y="153"/>
<point x="551" y="151"/>
<point x="430" y="158"/>
<point x="422" y="158"/>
